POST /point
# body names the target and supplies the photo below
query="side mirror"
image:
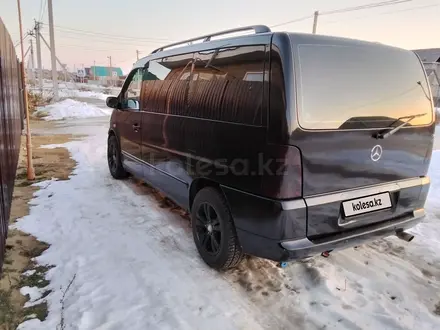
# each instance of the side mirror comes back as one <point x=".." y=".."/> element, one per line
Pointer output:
<point x="112" y="102"/>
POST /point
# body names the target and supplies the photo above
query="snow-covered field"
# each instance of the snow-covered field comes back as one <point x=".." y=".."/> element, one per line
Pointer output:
<point x="72" y="109"/>
<point x="135" y="266"/>
<point x="72" y="90"/>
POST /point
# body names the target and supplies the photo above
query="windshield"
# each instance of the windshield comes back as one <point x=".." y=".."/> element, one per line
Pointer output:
<point x="360" y="86"/>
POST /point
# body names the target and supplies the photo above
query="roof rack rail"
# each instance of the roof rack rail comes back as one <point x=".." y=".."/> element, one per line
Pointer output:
<point x="257" y="29"/>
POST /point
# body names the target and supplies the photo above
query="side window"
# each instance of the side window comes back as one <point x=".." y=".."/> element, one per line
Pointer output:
<point x="132" y="90"/>
<point x="224" y="84"/>
<point x="228" y="84"/>
<point x="165" y="84"/>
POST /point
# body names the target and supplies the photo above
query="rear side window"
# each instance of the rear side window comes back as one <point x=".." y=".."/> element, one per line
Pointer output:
<point x="222" y="84"/>
<point x="165" y="85"/>
<point x="227" y="84"/>
<point x="347" y="87"/>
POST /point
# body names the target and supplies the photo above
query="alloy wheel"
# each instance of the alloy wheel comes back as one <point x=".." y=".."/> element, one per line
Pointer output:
<point x="208" y="228"/>
<point x="112" y="156"/>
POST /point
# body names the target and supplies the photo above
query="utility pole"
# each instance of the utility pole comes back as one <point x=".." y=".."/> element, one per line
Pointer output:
<point x="315" y="21"/>
<point x="111" y="71"/>
<point x="32" y="76"/>
<point x="56" y="58"/>
<point x="137" y="54"/>
<point x="40" y="67"/>
<point x="52" y="51"/>
<point x="65" y="72"/>
<point x="30" y="166"/>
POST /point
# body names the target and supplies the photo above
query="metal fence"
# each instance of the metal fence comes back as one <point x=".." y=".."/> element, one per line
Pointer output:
<point x="11" y="115"/>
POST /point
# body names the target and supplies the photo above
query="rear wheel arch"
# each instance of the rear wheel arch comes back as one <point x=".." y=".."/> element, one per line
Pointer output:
<point x="112" y="132"/>
<point x="197" y="185"/>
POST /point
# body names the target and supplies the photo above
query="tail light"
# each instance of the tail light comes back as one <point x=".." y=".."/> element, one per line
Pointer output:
<point x="282" y="178"/>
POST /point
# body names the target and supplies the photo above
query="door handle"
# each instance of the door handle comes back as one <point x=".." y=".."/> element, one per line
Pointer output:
<point x="136" y="127"/>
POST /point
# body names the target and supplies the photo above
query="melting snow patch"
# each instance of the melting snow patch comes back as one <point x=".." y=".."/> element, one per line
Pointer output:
<point x="34" y="294"/>
<point x="29" y="272"/>
<point x="78" y="93"/>
<point x="72" y="109"/>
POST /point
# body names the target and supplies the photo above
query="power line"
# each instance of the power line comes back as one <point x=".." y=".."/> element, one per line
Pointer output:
<point x="86" y="32"/>
<point x="97" y="39"/>
<point x="366" y="6"/>
<point x="293" y="21"/>
<point x="42" y="11"/>
<point x="385" y="13"/>
<point x="346" y="10"/>
<point x="24" y="38"/>
<point x="91" y="49"/>
<point x="132" y="60"/>
<point x="103" y="39"/>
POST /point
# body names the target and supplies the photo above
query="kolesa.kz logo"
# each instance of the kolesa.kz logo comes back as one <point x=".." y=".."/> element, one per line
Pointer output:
<point x="366" y="205"/>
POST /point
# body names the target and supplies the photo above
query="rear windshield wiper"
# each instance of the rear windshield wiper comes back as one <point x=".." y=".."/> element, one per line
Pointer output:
<point x="384" y="135"/>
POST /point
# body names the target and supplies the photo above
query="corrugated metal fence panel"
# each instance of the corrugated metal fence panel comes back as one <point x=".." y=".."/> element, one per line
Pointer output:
<point x="11" y="113"/>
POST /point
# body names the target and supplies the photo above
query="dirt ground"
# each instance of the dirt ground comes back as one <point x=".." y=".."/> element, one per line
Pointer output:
<point x="20" y="247"/>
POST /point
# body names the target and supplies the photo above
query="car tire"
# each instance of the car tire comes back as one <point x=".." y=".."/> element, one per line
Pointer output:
<point x="214" y="231"/>
<point x="114" y="159"/>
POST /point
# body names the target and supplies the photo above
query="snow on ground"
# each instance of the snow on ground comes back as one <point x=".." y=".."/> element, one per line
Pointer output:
<point x="34" y="294"/>
<point x="72" y="109"/>
<point x="29" y="272"/>
<point x="64" y="92"/>
<point x="71" y="93"/>
<point x="73" y="90"/>
<point x="136" y="266"/>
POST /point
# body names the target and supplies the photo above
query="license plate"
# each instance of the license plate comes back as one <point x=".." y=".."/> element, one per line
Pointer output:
<point x="367" y="204"/>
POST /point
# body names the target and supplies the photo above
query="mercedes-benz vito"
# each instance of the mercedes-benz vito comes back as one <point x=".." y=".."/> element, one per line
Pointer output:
<point x="280" y="145"/>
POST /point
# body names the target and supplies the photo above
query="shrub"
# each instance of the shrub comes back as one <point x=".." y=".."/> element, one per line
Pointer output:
<point x="38" y="100"/>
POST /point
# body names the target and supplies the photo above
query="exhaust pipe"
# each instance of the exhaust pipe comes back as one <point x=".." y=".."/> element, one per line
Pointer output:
<point x="405" y="236"/>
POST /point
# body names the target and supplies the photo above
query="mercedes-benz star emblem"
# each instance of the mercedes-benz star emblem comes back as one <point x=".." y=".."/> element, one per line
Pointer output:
<point x="376" y="153"/>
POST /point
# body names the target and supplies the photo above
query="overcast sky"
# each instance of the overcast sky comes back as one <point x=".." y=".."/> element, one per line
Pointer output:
<point x="145" y="25"/>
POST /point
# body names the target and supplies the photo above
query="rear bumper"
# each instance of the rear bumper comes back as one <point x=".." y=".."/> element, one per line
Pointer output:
<point x="300" y="248"/>
<point x="281" y="231"/>
<point x="295" y="249"/>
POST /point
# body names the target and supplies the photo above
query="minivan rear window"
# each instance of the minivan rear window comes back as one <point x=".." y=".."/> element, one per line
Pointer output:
<point x="354" y="87"/>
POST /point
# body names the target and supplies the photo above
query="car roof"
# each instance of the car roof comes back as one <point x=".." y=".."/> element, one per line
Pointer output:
<point x="244" y="40"/>
<point x="249" y="39"/>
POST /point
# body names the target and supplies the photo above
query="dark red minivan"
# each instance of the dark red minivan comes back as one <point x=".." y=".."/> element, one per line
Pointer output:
<point x="281" y="145"/>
